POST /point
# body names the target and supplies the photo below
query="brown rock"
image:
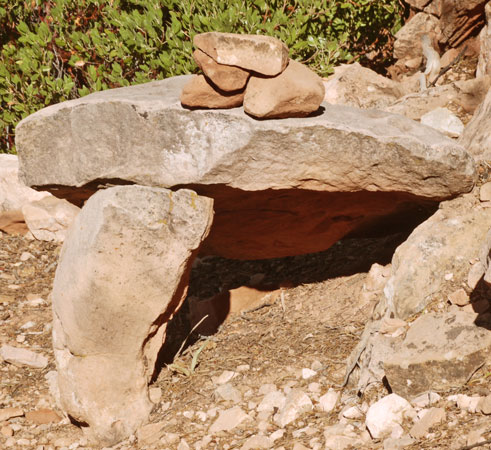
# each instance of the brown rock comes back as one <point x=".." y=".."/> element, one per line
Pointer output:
<point x="459" y="20"/>
<point x="227" y="78"/>
<point x="227" y="303"/>
<point x="418" y="4"/>
<point x="484" y="62"/>
<point x="296" y="92"/>
<point x="430" y="418"/>
<point x="12" y="222"/>
<point x="262" y="54"/>
<point x="199" y="93"/>
<point x="41" y="416"/>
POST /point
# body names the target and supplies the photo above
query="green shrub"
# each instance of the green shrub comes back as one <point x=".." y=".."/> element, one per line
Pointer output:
<point x="55" y="50"/>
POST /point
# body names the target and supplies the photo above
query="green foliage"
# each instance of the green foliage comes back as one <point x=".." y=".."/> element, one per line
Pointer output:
<point x="56" y="50"/>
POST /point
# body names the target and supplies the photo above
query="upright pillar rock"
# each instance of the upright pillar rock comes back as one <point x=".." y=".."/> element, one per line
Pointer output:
<point x="121" y="276"/>
<point x="262" y="54"/>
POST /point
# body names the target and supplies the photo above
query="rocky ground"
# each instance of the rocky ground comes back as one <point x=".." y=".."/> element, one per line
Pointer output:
<point x="228" y="390"/>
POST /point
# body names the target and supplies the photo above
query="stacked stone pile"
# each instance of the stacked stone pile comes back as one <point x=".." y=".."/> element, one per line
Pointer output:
<point x="253" y="71"/>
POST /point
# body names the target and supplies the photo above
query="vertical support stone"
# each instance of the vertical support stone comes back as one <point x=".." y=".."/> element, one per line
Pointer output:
<point x="122" y="274"/>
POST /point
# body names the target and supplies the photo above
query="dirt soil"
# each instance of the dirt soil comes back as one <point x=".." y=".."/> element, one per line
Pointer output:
<point x="315" y="323"/>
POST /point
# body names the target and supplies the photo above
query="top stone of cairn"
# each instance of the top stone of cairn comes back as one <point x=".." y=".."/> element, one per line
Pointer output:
<point x="262" y="54"/>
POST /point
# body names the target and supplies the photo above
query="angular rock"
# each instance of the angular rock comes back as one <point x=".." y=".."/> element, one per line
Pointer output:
<point x="9" y="413"/>
<point x="49" y="218"/>
<point x="442" y="244"/>
<point x="226" y="78"/>
<point x="484" y="62"/>
<point x="296" y="92"/>
<point x="271" y="180"/>
<point x="272" y="400"/>
<point x="418" y="4"/>
<point x="430" y="418"/>
<point x="444" y="121"/>
<point x="297" y="402"/>
<point x="459" y="20"/>
<point x="484" y="405"/>
<point x="354" y="85"/>
<point x="13" y="193"/>
<point x="200" y="93"/>
<point x="41" y="416"/>
<point x="12" y="222"/>
<point x="121" y="276"/>
<point x="408" y="38"/>
<point x="465" y="402"/>
<point x="387" y="413"/>
<point x="328" y="401"/>
<point x="257" y="442"/>
<point x="151" y="433"/>
<point x="476" y="139"/>
<point x="485" y="257"/>
<point x="440" y="351"/>
<point x="459" y="297"/>
<point x="262" y="54"/>
<point x="228" y="420"/>
<point x="23" y="357"/>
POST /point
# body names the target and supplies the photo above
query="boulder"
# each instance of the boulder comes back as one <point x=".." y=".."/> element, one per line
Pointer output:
<point x="296" y="92"/>
<point x="199" y="92"/>
<point x="441" y="245"/>
<point x="408" y="39"/>
<point x="476" y="138"/>
<point x="444" y="121"/>
<point x="262" y="54"/>
<point x="485" y="258"/>
<point x="354" y="85"/>
<point x="49" y="218"/>
<point x="440" y="352"/>
<point x="458" y="20"/>
<point x="122" y="274"/>
<point x="281" y="187"/>
<point x="484" y="62"/>
<point x="226" y="78"/>
<point x="418" y="4"/>
<point x="13" y="193"/>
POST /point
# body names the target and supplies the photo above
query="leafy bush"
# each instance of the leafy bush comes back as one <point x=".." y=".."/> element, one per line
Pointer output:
<point x="55" y="50"/>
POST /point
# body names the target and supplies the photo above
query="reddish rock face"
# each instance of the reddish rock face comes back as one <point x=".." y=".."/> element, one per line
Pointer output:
<point x="296" y="92"/>
<point x="262" y="54"/>
<point x="227" y="78"/>
<point x="199" y="93"/>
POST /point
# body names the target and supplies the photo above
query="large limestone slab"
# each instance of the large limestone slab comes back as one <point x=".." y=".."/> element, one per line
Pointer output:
<point x="121" y="276"/>
<point x="275" y="182"/>
<point x="441" y="246"/>
<point x="440" y="351"/>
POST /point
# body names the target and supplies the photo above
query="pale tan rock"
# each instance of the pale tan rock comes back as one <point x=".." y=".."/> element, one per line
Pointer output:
<point x="484" y="62"/>
<point x="484" y="405"/>
<point x="459" y="297"/>
<point x="485" y="192"/>
<point x="262" y="54"/>
<point x="6" y="431"/>
<point x="476" y="139"/>
<point x="121" y="276"/>
<point x="475" y="274"/>
<point x="42" y="416"/>
<point x="430" y="418"/>
<point x="48" y="219"/>
<point x="228" y="420"/>
<point x="9" y="413"/>
<point x="444" y="121"/>
<point x="408" y="38"/>
<point x="227" y="78"/>
<point x="297" y="403"/>
<point x="386" y="414"/>
<point x="442" y="244"/>
<point x="296" y="92"/>
<point x="151" y="433"/>
<point x="13" y="193"/>
<point x="23" y="357"/>
<point x="440" y="351"/>
<point x="354" y="85"/>
<point x="12" y="222"/>
<point x="199" y="93"/>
